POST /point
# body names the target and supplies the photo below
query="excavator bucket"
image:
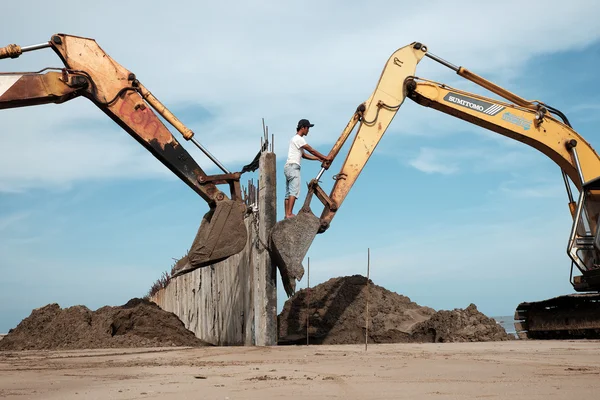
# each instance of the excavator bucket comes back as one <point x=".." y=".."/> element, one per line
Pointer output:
<point x="290" y="240"/>
<point x="221" y="234"/>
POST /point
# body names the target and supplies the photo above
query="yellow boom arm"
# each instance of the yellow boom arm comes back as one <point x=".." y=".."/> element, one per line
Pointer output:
<point x="530" y="122"/>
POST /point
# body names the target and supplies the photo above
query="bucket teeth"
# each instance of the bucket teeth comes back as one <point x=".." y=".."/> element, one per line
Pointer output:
<point x="290" y="240"/>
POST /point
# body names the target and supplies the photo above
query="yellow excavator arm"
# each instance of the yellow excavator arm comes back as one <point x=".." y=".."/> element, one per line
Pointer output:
<point x="91" y="73"/>
<point x="536" y="127"/>
<point x="531" y="122"/>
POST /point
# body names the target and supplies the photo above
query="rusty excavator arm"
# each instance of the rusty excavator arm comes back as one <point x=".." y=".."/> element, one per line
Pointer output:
<point x="530" y="122"/>
<point x="93" y="74"/>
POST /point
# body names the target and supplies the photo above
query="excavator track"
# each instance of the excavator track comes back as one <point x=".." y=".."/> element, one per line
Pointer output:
<point x="573" y="316"/>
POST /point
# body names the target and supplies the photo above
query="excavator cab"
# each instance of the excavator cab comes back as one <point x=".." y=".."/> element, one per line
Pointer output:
<point x="90" y="72"/>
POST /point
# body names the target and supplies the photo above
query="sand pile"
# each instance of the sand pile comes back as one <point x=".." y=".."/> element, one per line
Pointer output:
<point x="459" y="325"/>
<point x="139" y="323"/>
<point x="337" y="316"/>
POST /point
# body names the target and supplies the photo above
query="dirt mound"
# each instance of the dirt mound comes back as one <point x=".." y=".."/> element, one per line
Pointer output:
<point x="139" y="323"/>
<point x="337" y="316"/>
<point x="458" y="325"/>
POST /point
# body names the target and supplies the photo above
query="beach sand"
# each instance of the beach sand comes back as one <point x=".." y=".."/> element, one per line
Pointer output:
<point x="499" y="370"/>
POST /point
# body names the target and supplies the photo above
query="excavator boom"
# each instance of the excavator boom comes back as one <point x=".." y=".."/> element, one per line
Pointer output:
<point x="538" y="129"/>
<point x="534" y="123"/>
<point x="93" y="74"/>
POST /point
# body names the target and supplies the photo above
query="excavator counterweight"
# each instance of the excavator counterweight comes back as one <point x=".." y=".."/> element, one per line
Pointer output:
<point x="93" y="74"/>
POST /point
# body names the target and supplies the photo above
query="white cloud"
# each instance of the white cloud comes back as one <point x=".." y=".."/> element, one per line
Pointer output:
<point x="520" y="189"/>
<point x="261" y="60"/>
<point x="475" y="159"/>
<point x="55" y="157"/>
<point x="8" y="221"/>
<point x="586" y="107"/>
<point x="586" y="111"/>
<point x="429" y="161"/>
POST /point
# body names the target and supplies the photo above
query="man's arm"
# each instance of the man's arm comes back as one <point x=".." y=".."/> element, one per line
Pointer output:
<point x="317" y="156"/>
<point x="309" y="156"/>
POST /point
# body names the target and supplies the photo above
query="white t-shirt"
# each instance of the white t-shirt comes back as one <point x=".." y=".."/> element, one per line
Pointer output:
<point x="294" y="153"/>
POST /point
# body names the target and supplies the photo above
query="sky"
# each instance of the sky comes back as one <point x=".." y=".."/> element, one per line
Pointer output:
<point x="451" y="214"/>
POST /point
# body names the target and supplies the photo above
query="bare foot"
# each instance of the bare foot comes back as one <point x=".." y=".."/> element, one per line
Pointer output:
<point x="290" y="216"/>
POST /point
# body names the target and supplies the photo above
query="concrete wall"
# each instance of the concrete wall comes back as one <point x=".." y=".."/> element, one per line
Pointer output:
<point x="234" y="302"/>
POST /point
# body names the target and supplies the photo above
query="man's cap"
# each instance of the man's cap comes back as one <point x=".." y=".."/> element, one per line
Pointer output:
<point x="305" y="123"/>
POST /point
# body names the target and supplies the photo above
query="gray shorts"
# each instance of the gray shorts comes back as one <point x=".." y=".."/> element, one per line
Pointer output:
<point x="292" y="180"/>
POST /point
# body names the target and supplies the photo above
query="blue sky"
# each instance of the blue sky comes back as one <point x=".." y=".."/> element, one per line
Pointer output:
<point x="453" y="214"/>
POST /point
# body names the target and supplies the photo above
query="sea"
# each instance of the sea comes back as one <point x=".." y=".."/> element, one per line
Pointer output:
<point x="508" y="323"/>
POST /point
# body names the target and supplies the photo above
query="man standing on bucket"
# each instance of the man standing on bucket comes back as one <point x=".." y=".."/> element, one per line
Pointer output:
<point x="292" y="166"/>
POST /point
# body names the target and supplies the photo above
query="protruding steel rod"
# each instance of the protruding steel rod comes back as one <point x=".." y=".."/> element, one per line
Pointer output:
<point x="566" y="179"/>
<point x="213" y="159"/>
<point x="173" y="120"/>
<point x="577" y="165"/>
<point x="320" y="174"/>
<point x="15" y="51"/>
<point x="465" y="73"/>
<point x="442" y="61"/>
<point x="35" y="47"/>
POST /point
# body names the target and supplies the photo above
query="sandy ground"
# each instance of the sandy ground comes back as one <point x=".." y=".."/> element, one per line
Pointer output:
<point x="499" y="370"/>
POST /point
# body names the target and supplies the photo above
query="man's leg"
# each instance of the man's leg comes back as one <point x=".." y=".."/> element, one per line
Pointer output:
<point x="294" y="189"/>
<point x="286" y="203"/>
<point x="291" y="201"/>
